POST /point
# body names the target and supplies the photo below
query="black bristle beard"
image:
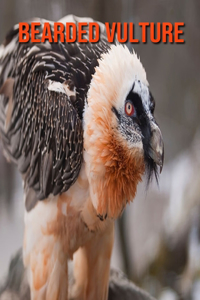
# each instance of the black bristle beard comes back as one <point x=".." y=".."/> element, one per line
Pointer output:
<point x="151" y="169"/>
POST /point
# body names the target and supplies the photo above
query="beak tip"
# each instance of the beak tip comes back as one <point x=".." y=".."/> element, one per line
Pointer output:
<point x="157" y="147"/>
<point x="161" y="165"/>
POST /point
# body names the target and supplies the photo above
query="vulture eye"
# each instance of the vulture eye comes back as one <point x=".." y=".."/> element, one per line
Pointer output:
<point x="129" y="109"/>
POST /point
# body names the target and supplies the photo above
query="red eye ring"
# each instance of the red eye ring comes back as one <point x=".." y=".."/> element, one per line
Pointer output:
<point x="129" y="109"/>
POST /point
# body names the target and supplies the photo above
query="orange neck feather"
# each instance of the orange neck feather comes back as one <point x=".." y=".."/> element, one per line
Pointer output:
<point x="123" y="170"/>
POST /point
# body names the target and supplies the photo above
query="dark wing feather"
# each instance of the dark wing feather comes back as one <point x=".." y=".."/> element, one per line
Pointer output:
<point x="41" y="128"/>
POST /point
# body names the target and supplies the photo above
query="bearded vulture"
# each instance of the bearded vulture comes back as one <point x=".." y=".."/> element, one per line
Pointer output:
<point x="78" y="121"/>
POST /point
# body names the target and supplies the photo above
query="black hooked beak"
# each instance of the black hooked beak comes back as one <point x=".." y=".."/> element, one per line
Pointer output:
<point x="156" y="151"/>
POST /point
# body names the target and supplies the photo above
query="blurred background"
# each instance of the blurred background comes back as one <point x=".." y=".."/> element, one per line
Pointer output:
<point x="158" y="237"/>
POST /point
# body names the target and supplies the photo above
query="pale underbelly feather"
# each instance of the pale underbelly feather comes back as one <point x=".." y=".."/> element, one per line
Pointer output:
<point x="68" y="219"/>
